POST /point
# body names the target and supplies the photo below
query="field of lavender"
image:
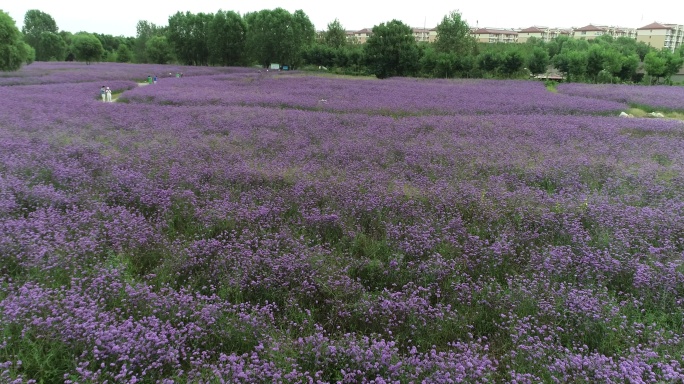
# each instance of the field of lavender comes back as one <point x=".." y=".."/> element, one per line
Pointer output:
<point x="235" y="226"/>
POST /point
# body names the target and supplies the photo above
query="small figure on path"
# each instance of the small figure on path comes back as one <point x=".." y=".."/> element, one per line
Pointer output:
<point x="102" y="93"/>
<point x="177" y="74"/>
<point x="149" y="79"/>
<point x="109" y="95"/>
<point x="155" y="79"/>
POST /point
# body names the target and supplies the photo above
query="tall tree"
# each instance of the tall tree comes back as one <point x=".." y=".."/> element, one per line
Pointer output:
<point x="35" y="23"/>
<point x="87" y="47"/>
<point x="51" y="47"/>
<point x="14" y="52"/>
<point x="453" y="35"/>
<point x="276" y="36"/>
<point x="538" y="62"/>
<point x="335" y="36"/>
<point x="144" y="31"/>
<point x="304" y="35"/>
<point x="512" y="62"/>
<point x="391" y="50"/>
<point x="124" y="54"/>
<point x="187" y="34"/>
<point x="226" y="38"/>
<point x="159" y="50"/>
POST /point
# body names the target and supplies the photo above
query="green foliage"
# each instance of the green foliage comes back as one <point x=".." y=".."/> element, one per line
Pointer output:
<point x="453" y="35"/>
<point x="276" y="36"/>
<point x="124" y="54"/>
<point x="335" y="36"/>
<point x="158" y="50"/>
<point x="35" y="23"/>
<point x="489" y="61"/>
<point x="538" y="62"/>
<point x="13" y="51"/>
<point x="392" y="50"/>
<point x="188" y="34"/>
<point x="144" y="31"/>
<point x="226" y="38"/>
<point x="512" y="62"/>
<point x="51" y="47"/>
<point x="87" y="47"/>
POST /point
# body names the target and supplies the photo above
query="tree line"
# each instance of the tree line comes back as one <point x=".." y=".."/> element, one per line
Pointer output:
<point x="226" y="38"/>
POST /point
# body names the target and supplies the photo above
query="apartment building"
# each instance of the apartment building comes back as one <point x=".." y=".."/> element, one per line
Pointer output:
<point x="657" y="35"/>
<point x="492" y="35"/>
<point x="425" y="34"/>
<point x="542" y="33"/>
<point x="591" y="31"/>
<point x="361" y="36"/>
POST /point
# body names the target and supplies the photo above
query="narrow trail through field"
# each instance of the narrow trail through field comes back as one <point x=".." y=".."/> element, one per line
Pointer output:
<point x="116" y="96"/>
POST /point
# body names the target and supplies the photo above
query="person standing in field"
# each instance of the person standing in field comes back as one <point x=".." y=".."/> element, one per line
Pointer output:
<point x="155" y="79"/>
<point x="109" y="94"/>
<point x="149" y="79"/>
<point x="102" y="93"/>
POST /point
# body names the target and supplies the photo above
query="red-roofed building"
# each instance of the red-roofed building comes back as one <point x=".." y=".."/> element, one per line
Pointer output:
<point x="660" y="35"/>
<point x="593" y="31"/>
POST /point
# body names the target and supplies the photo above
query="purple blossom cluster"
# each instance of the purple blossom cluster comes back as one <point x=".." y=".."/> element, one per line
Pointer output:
<point x="252" y="240"/>
<point x="654" y="97"/>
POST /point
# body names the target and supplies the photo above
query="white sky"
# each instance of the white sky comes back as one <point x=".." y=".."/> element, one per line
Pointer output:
<point x="119" y="17"/>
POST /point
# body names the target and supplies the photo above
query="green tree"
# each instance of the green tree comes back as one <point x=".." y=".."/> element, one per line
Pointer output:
<point x="304" y="35"/>
<point x="489" y="61"/>
<point x="577" y="64"/>
<point x="124" y="54"/>
<point x="596" y="56"/>
<point x="453" y="35"/>
<point x="51" y="47"/>
<point x="159" y="50"/>
<point x="335" y="36"/>
<point x="144" y="31"/>
<point x="391" y="50"/>
<point x="226" y="38"/>
<point x="87" y="47"/>
<point x="14" y="52"/>
<point x="512" y="62"/>
<point x="276" y="36"/>
<point x="321" y="54"/>
<point x="188" y="35"/>
<point x="538" y="61"/>
<point x="35" y="23"/>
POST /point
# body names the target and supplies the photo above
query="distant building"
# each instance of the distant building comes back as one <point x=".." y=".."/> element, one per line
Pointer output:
<point x="542" y="33"/>
<point x="425" y="34"/>
<point x="659" y="36"/>
<point x="591" y="31"/>
<point x="493" y="35"/>
<point x="362" y="36"/>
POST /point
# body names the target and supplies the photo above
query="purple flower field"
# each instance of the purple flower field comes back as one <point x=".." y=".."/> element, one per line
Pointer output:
<point x="227" y="228"/>
<point x="404" y="96"/>
<point x="654" y="97"/>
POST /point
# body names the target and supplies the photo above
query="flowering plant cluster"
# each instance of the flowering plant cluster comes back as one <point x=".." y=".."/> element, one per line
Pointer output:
<point x="660" y="97"/>
<point x="248" y="234"/>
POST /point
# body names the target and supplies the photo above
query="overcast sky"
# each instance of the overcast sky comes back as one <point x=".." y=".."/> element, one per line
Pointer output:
<point x="119" y="17"/>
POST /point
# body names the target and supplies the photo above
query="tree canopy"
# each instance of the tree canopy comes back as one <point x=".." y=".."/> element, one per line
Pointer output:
<point x="335" y="36"/>
<point x="41" y="32"/>
<point x="453" y="35"/>
<point x="14" y="52"/>
<point x="277" y="36"/>
<point x="87" y="47"/>
<point x="392" y="50"/>
<point x="226" y="38"/>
